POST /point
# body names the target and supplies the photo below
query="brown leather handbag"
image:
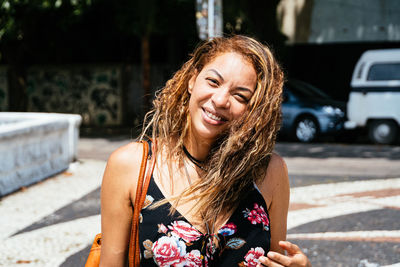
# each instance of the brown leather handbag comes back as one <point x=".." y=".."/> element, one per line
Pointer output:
<point x="93" y="259"/>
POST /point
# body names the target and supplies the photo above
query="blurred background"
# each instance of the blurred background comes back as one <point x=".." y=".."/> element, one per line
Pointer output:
<point x="104" y="60"/>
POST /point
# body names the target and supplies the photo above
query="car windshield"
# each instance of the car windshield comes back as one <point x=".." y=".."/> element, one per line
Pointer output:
<point x="305" y="90"/>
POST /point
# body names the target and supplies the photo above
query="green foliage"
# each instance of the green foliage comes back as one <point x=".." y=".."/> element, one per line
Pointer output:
<point x="27" y="25"/>
<point x="16" y="15"/>
<point x="67" y="31"/>
<point x="136" y="17"/>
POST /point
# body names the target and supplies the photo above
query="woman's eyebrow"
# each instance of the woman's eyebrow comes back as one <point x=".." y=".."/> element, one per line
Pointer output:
<point x="217" y="73"/>
<point x="245" y="89"/>
<point x="239" y="88"/>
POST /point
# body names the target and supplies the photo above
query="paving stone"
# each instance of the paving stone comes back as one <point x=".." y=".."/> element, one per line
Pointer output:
<point x="340" y="190"/>
<point x="84" y="207"/>
<point x="345" y="254"/>
<point x="382" y="219"/>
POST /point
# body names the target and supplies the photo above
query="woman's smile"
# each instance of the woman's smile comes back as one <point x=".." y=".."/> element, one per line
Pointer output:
<point x="213" y="118"/>
<point x="219" y="93"/>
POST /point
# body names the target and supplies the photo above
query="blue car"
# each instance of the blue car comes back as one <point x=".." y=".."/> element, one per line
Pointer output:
<point x="308" y="113"/>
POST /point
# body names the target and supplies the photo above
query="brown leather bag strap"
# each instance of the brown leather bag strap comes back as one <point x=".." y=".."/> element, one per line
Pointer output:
<point x="141" y="191"/>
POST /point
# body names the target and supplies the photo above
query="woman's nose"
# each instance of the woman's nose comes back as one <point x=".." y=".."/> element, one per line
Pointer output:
<point x="220" y="98"/>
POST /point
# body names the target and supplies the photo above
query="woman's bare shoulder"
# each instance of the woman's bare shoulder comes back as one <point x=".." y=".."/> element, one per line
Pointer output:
<point x="276" y="178"/>
<point x="126" y="156"/>
<point x="277" y="166"/>
<point x="123" y="168"/>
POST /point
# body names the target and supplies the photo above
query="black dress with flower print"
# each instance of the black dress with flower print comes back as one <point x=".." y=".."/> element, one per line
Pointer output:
<point x="167" y="240"/>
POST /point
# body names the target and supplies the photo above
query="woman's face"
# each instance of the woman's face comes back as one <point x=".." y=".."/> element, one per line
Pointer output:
<point x="219" y="94"/>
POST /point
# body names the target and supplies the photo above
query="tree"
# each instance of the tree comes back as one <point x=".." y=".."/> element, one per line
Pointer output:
<point x="27" y="26"/>
<point x="174" y="19"/>
<point x="92" y="31"/>
<point x="139" y="18"/>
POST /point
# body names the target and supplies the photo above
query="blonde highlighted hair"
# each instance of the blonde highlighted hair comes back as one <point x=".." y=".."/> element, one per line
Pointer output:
<point x="241" y="155"/>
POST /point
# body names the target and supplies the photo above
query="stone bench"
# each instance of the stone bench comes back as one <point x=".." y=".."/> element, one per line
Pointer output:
<point x="34" y="146"/>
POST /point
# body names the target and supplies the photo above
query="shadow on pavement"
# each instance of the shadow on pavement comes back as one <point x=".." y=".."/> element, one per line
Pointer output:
<point x="329" y="150"/>
<point x="86" y="206"/>
<point x="77" y="259"/>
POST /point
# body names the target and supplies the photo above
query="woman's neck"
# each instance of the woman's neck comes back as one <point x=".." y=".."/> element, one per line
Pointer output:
<point x="198" y="149"/>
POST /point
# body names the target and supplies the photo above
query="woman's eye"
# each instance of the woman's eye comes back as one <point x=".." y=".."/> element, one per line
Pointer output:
<point x="242" y="98"/>
<point x="212" y="81"/>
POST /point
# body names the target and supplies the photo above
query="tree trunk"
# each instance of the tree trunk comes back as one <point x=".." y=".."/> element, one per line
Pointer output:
<point x="17" y="91"/>
<point x="146" y="72"/>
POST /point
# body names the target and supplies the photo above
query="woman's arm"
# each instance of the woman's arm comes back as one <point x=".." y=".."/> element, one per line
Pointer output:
<point x="275" y="189"/>
<point x="117" y="195"/>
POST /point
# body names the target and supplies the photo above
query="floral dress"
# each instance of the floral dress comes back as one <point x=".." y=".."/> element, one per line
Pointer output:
<point x="167" y="240"/>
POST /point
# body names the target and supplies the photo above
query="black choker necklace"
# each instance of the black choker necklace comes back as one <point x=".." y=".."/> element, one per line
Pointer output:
<point x="195" y="161"/>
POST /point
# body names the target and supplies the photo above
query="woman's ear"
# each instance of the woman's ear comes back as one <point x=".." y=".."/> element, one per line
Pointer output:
<point x="192" y="82"/>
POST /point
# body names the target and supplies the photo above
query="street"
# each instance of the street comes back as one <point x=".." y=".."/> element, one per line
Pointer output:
<point x="344" y="210"/>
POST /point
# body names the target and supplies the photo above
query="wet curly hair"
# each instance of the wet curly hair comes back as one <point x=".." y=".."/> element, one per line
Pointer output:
<point x="241" y="155"/>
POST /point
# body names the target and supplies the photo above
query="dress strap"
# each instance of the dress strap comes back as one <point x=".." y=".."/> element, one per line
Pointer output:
<point x="150" y="147"/>
<point x="256" y="187"/>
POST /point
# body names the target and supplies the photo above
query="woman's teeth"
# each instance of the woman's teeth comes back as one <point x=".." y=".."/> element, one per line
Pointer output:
<point x="212" y="116"/>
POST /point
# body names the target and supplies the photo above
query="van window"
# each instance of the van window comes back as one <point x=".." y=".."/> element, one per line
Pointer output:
<point x="384" y="72"/>
<point x="359" y="73"/>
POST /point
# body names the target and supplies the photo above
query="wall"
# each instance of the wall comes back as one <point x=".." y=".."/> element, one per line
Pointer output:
<point x="332" y="21"/>
<point x="92" y="91"/>
<point x="354" y="21"/>
<point x="160" y="73"/>
<point x="294" y="19"/>
<point x="104" y="94"/>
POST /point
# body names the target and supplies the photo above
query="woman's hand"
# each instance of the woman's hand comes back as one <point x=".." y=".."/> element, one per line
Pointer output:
<point x="294" y="257"/>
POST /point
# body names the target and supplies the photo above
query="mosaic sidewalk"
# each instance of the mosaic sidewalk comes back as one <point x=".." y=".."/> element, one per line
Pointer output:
<point x="351" y="223"/>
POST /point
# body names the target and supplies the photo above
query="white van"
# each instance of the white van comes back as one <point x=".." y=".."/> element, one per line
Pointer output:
<point x="374" y="100"/>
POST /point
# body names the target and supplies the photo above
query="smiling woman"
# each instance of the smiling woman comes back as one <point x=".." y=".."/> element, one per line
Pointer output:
<point x="219" y="95"/>
<point x="218" y="195"/>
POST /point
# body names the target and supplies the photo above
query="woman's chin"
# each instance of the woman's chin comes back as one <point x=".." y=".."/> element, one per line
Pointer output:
<point x="207" y="134"/>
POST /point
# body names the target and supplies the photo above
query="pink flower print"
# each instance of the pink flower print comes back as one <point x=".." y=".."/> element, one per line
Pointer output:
<point x="254" y="217"/>
<point x="184" y="230"/>
<point x="260" y="210"/>
<point x="162" y="228"/>
<point x="228" y="229"/>
<point x="251" y="258"/>
<point x="257" y="215"/>
<point x="169" y="251"/>
<point x="193" y="259"/>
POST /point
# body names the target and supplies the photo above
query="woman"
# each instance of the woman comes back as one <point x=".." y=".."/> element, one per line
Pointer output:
<point x="218" y="196"/>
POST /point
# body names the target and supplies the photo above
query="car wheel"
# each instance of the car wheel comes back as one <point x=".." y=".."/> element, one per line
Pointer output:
<point x="306" y="129"/>
<point x="383" y="131"/>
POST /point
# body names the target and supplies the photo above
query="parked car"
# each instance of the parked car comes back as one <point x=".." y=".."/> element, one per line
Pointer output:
<point x="374" y="100"/>
<point x="308" y="113"/>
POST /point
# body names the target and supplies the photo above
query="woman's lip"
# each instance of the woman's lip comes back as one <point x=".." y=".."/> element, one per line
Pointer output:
<point x="210" y="117"/>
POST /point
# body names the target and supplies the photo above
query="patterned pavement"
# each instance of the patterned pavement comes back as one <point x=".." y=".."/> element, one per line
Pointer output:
<point x="344" y="211"/>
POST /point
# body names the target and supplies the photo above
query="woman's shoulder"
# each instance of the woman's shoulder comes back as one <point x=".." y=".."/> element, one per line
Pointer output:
<point x="277" y="166"/>
<point x="276" y="179"/>
<point x="126" y="156"/>
<point x="123" y="168"/>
